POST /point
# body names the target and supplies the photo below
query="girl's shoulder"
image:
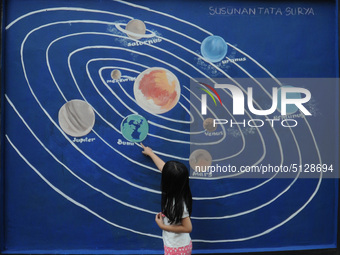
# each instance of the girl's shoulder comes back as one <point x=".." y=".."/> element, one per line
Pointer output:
<point x="185" y="211"/>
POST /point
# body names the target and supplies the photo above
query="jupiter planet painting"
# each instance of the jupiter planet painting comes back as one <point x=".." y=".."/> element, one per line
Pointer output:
<point x="76" y="118"/>
<point x="157" y="90"/>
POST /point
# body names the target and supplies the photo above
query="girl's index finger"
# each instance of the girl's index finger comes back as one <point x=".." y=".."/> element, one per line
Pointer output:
<point x="142" y="145"/>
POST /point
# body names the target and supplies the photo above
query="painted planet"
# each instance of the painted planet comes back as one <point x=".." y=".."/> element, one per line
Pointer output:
<point x="135" y="29"/>
<point x="214" y="48"/>
<point x="76" y="118"/>
<point x="157" y="90"/>
<point x="200" y="159"/>
<point x="290" y="108"/>
<point x="134" y="128"/>
<point x="208" y="125"/>
<point x="116" y="74"/>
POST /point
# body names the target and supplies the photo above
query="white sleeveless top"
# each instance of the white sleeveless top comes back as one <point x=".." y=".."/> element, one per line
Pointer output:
<point x="175" y="240"/>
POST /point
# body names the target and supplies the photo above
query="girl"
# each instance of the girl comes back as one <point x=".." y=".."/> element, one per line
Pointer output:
<point x="176" y="203"/>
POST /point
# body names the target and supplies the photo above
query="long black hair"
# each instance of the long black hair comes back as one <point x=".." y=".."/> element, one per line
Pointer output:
<point x="175" y="191"/>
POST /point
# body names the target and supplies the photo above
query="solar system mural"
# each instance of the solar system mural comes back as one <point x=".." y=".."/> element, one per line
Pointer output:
<point x="247" y="90"/>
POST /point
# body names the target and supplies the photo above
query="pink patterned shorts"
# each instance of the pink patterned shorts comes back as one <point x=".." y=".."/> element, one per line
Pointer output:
<point x="185" y="250"/>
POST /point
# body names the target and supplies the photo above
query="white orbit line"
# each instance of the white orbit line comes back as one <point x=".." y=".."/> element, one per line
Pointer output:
<point x="256" y="81"/>
<point x="112" y="92"/>
<point x="282" y="223"/>
<point x="165" y="39"/>
<point x="162" y="153"/>
<point x="172" y="30"/>
<point x="221" y="71"/>
<point x="251" y="189"/>
<point x="171" y="140"/>
<point x="65" y="9"/>
<point x="153" y="123"/>
<point x="95" y="22"/>
<point x="285" y="221"/>
<point x="270" y="201"/>
<point x="148" y="9"/>
<point x="109" y="47"/>
<point x="272" y="128"/>
<point x="75" y="21"/>
<point x="242" y="135"/>
<point x="90" y="10"/>
<point x="193" y="106"/>
<point x="95" y="86"/>
<point x="109" y="35"/>
<point x="237" y="192"/>
<point x="228" y="157"/>
<point x="270" y="229"/>
<point x="162" y="13"/>
<point x="135" y="53"/>
<point x="199" y="28"/>
<point x="257" y="63"/>
<point x="224" y="73"/>
<point x="123" y="103"/>
<point x="117" y="151"/>
<point x="26" y="76"/>
<point x="68" y="169"/>
<point x="132" y="99"/>
<point x="124" y="37"/>
<point x="126" y="204"/>
<point x="107" y="195"/>
<point x="156" y="115"/>
<point x="250" y="210"/>
<point x="113" y="47"/>
<point x="74" y="201"/>
<point x="109" y="88"/>
<point x="48" y="64"/>
<point x="66" y="137"/>
<point x="217" y="68"/>
<point x="119" y="27"/>
<point x="146" y="56"/>
<point x="159" y="60"/>
<point x="263" y="205"/>
<point x="167" y="155"/>
<point x="199" y="56"/>
<point x="229" y="77"/>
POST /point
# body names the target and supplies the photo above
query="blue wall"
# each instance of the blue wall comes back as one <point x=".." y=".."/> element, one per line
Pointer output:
<point x="95" y="196"/>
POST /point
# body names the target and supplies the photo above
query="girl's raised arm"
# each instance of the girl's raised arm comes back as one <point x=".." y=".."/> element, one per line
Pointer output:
<point x="157" y="160"/>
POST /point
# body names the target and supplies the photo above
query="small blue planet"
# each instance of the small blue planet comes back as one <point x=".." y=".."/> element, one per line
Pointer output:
<point x="291" y="108"/>
<point x="214" y="48"/>
<point x="134" y="128"/>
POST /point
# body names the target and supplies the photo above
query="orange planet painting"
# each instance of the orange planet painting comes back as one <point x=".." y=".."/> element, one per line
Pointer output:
<point x="157" y="90"/>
